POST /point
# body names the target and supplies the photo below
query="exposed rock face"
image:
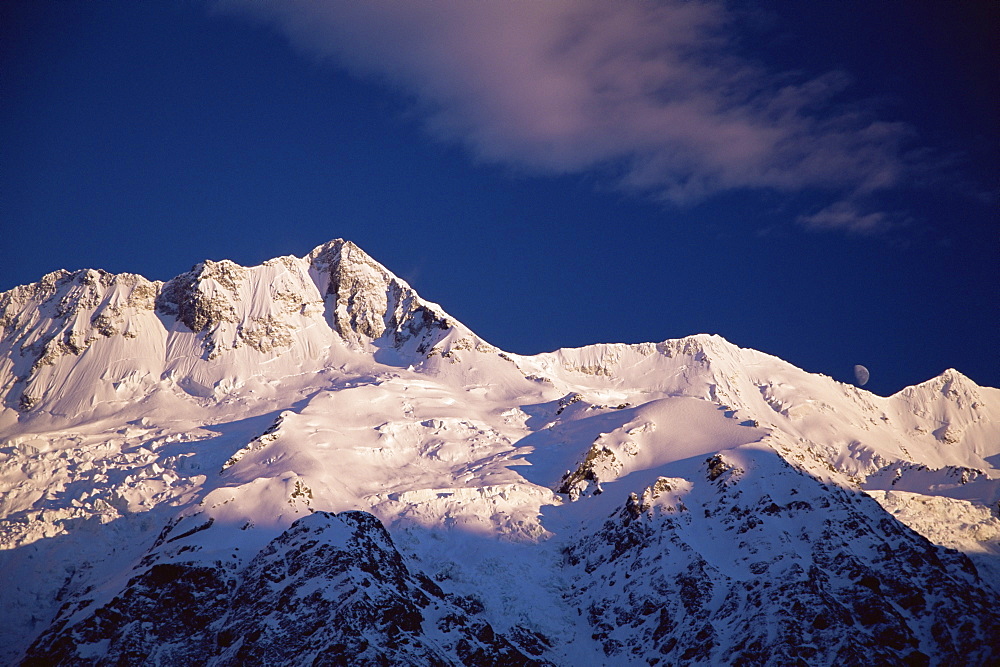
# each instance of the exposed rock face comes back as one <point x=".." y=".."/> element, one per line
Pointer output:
<point x="364" y="299"/>
<point x="852" y="588"/>
<point x="189" y="296"/>
<point x="587" y="476"/>
<point x="331" y="590"/>
<point x="65" y="312"/>
<point x="63" y="315"/>
<point x="229" y="305"/>
<point x="163" y="616"/>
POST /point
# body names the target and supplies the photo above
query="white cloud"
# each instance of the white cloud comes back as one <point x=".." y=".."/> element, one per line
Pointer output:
<point x="653" y="93"/>
<point x="845" y="216"/>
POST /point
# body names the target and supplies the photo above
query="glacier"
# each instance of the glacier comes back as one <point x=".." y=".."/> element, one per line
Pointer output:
<point x="304" y="462"/>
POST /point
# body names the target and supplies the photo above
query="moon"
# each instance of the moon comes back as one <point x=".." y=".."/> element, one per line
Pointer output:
<point x="861" y="375"/>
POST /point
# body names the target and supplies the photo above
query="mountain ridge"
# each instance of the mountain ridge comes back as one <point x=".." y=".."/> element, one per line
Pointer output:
<point x="181" y="427"/>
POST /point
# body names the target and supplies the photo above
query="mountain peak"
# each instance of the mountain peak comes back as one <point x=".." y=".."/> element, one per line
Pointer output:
<point x="129" y="332"/>
<point x="364" y="299"/>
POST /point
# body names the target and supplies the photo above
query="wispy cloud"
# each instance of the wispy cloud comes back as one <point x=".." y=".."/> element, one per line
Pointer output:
<point x="654" y="94"/>
<point x="845" y="216"/>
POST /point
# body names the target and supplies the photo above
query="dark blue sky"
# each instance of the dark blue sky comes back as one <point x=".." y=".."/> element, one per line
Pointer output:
<point x="814" y="180"/>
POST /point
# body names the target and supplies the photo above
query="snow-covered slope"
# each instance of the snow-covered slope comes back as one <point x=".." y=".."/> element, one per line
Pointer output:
<point x="209" y="467"/>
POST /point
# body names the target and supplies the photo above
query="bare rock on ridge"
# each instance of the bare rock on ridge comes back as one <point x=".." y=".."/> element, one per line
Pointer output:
<point x="363" y="299"/>
<point x="330" y="590"/>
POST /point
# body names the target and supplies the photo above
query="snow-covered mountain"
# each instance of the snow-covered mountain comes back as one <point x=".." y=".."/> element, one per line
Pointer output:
<point x="304" y="462"/>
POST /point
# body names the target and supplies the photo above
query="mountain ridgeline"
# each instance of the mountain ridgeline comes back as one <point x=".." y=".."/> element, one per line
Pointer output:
<point x="304" y="462"/>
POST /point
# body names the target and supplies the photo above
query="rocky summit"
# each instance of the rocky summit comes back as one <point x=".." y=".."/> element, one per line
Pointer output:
<point x="305" y="463"/>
